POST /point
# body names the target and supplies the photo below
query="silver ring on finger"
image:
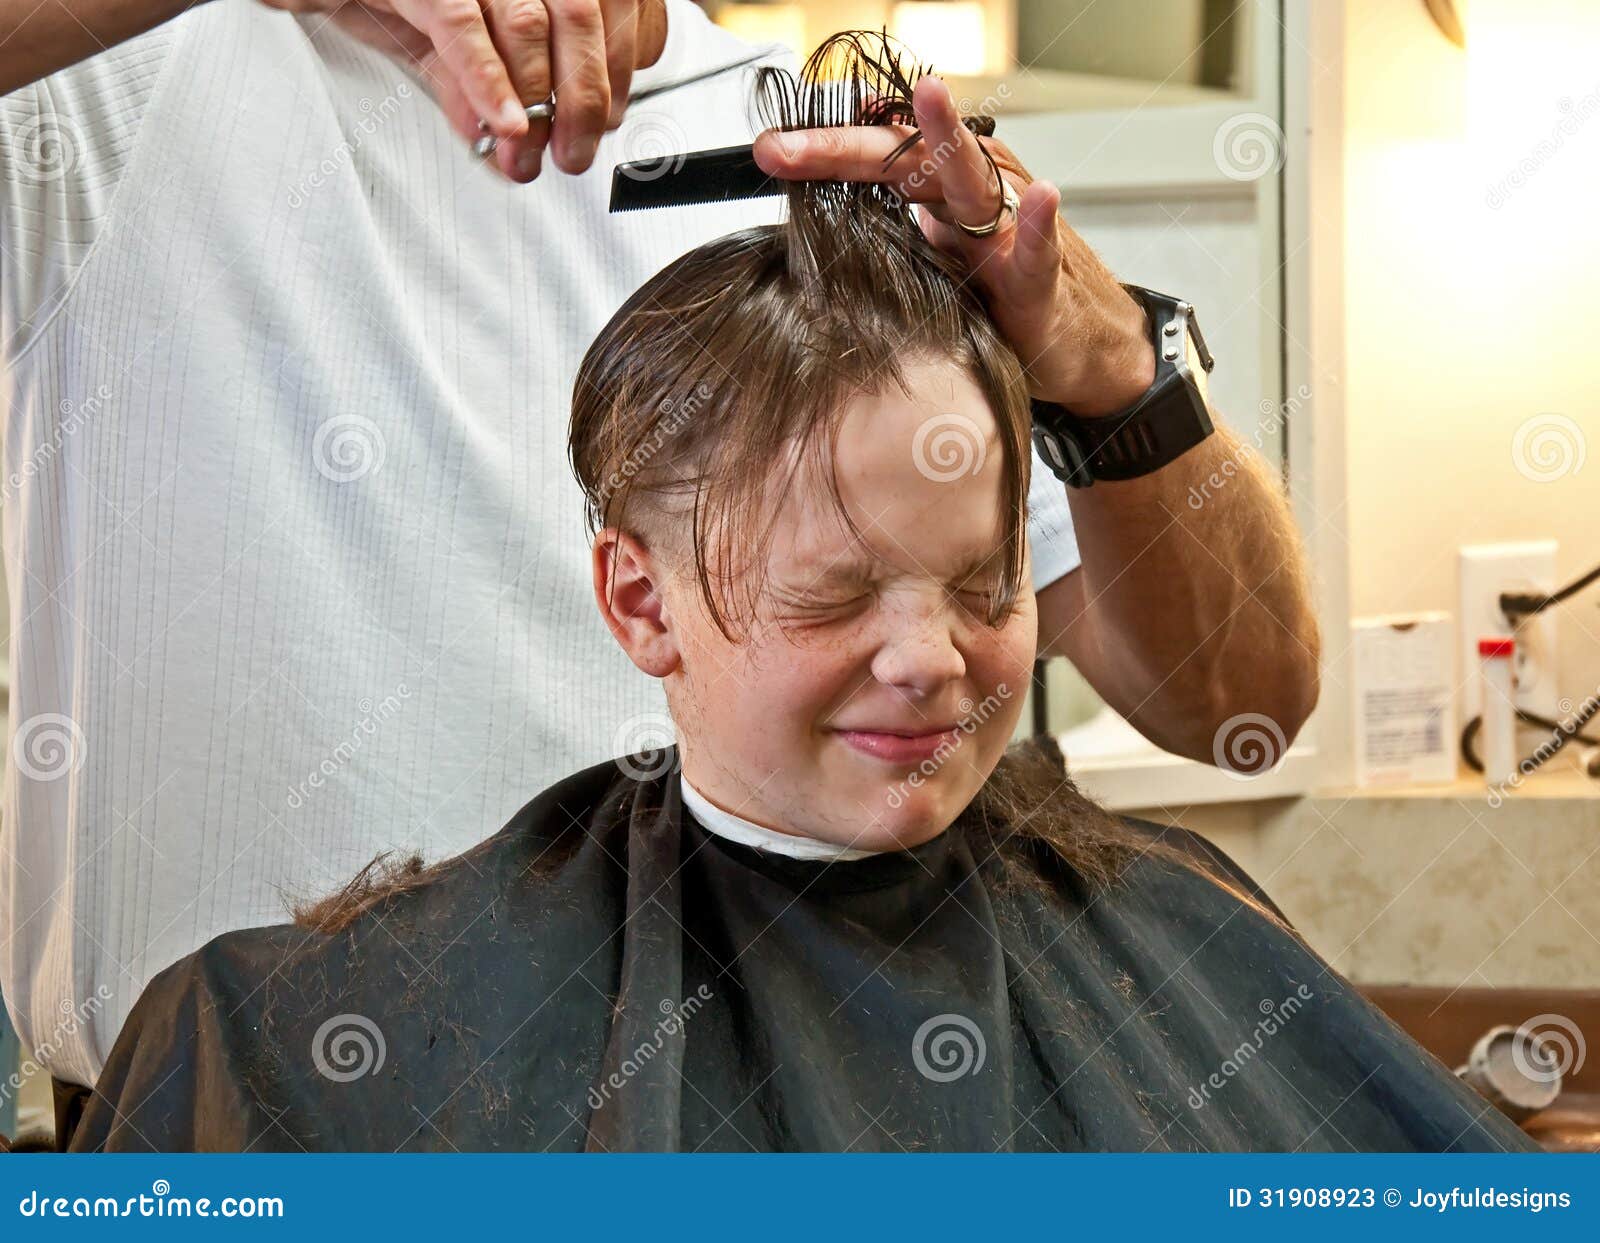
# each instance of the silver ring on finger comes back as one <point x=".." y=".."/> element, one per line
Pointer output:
<point x="543" y="111"/>
<point x="1009" y="202"/>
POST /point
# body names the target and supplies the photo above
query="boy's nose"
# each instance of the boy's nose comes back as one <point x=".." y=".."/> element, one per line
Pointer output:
<point x="919" y="660"/>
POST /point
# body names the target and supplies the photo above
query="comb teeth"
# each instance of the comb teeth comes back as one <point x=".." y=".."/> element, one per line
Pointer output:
<point x="717" y="176"/>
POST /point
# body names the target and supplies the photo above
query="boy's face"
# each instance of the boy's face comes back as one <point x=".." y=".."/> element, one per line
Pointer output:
<point x="869" y="700"/>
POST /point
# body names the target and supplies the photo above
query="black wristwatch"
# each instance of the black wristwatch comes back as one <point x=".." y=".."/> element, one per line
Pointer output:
<point x="1168" y="419"/>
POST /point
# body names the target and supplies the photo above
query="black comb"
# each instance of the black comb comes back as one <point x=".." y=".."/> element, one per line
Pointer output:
<point x="716" y="176"/>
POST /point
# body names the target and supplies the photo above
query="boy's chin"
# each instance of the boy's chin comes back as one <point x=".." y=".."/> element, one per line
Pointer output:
<point x="913" y="814"/>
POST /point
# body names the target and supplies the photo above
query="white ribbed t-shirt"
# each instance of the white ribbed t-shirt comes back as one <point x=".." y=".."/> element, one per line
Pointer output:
<point x="297" y="565"/>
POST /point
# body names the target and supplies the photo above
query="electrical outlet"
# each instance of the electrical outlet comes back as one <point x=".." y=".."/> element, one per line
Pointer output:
<point x="1485" y="571"/>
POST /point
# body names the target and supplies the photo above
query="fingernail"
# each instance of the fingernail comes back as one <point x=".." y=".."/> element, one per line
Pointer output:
<point x="582" y="150"/>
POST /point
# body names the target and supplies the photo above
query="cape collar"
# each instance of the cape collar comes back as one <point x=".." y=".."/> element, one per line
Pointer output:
<point x="737" y="829"/>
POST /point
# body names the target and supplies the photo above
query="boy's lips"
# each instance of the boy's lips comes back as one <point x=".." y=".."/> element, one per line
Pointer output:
<point x="901" y="746"/>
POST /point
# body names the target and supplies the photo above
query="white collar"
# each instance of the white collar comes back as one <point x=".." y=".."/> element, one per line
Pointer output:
<point x="737" y="829"/>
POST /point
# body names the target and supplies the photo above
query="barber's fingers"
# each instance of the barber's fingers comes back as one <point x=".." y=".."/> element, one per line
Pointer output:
<point x="468" y="59"/>
<point x="966" y="179"/>
<point x="388" y="32"/>
<point x="858" y="152"/>
<point x="622" y="40"/>
<point x="1022" y="260"/>
<point x="521" y="30"/>
<point x="392" y="35"/>
<point x="582" y="82"/>
<point x="1037" y="253"/>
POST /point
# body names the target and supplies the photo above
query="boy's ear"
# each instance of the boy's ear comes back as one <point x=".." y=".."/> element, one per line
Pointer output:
<point x="628" y="585"/>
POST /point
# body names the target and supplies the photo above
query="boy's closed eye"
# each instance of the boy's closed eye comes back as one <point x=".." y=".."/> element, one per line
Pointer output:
<point x="977" y="596"/>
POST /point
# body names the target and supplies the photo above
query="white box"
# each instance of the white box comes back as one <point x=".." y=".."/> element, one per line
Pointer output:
<point x="1404" y="706"/>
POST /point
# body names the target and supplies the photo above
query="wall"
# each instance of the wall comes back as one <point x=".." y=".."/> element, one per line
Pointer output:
<point x="1472" y="386"/>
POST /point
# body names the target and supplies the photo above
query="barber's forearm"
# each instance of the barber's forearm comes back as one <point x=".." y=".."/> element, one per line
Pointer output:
<point x="1193" y="604"/>
<point x="37" y="38"/>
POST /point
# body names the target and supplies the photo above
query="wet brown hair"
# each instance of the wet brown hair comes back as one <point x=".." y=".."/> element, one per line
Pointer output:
<point x="726" y="374"/>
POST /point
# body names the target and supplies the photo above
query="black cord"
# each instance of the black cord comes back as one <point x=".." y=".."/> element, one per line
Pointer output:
<point x="1561" y="733"/>
<point x="1516" y="604"/>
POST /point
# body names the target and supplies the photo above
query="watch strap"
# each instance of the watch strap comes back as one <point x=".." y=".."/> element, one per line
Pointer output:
<point x="1166" y="421"/>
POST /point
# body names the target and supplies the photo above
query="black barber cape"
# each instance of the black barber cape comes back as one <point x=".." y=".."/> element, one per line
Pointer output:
<point x="604" y="974"/>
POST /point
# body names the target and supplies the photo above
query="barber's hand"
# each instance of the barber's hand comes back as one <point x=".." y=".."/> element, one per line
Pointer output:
<point x="490" y="58"/>
<point x="1082" y="339"/>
